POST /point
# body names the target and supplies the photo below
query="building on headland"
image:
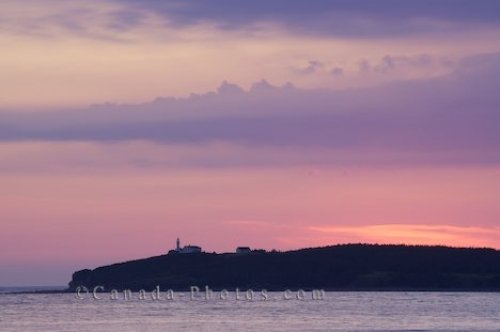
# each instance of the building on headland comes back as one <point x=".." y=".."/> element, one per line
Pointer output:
<point x="243" y="250"/>
<point x="189" y="249"/>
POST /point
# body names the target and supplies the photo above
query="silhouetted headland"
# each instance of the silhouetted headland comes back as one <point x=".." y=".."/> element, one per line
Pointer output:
<point x="339" y="267"/>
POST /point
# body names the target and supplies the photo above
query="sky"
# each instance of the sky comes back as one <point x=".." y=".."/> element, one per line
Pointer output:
<point x="270" y="124"/>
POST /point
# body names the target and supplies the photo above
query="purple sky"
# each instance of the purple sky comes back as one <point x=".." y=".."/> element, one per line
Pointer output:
<point x="273" y="124"/>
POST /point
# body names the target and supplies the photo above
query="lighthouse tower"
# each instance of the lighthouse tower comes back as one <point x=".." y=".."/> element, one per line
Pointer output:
<point x="189" y="249"/>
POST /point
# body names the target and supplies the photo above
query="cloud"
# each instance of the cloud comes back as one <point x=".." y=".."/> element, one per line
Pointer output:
<point x="312" y="67"/>
<point x="337" y="71"/>
<point x="353" y="18"/>
<point x="449" y="119"/>
<point x="52" y="19"/>
<point x="339" y="18"/>
<point x="389" y="63"/>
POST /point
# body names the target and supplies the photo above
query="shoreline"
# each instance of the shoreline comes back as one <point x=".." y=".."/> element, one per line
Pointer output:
<point x="333" y="290"/>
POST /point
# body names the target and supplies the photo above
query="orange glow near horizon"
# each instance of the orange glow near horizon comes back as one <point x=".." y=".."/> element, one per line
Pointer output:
<point x="419" y="234"/>
<point x="119" y="210"/>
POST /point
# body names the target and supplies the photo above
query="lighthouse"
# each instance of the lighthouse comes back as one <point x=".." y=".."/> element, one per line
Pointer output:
<point x="189" y="249"/>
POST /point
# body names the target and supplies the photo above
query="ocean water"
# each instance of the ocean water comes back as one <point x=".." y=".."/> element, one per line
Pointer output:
<point x="5" y="290"/>
<point x="338" y="311"/>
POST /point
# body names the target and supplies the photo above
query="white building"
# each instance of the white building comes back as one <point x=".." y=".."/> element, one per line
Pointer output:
<point x="189" y="249"/>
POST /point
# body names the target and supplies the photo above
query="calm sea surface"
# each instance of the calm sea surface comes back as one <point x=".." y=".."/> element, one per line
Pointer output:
<point x="339" y="311"/>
